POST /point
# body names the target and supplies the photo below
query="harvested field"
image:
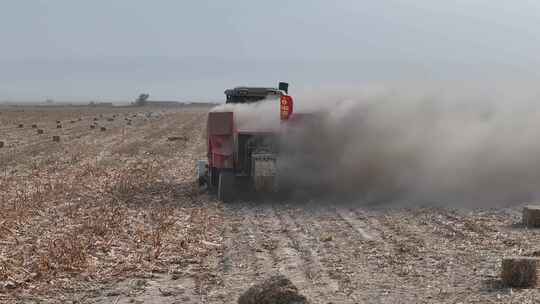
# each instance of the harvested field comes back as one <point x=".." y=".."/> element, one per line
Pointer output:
<point x="116" y="217"/>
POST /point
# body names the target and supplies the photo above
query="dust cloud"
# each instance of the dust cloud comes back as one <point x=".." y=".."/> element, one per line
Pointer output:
<point x="256" y="117"/>
<point x="456" y="144"/>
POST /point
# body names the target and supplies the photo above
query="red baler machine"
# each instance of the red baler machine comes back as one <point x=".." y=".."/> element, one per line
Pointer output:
<point x="243" y="160"/>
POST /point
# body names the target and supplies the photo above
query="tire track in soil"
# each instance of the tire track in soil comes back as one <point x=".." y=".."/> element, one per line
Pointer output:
<point x="468" y="250"/>
<point x="455" y="251"/>
<point x="237" y="266"/>
<point x="160" y="289"/>
<point x="358" y="223"/>
<point x="322" y="288"/>
<point x="414" y="257"/>
<point x="433" y="259"/>
<point x="260" y="242"/>
<point x="340" y="250"/>
<point x="287" y="259"/>
<point x="361" y="267"/>
<point x="290" y="253"/>
<point x="262" y="247"/>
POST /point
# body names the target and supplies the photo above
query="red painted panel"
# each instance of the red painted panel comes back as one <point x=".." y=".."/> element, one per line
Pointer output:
<point x="286" y="107"/>
<point x="220" y="123"/>
<point x="220" y="139"/>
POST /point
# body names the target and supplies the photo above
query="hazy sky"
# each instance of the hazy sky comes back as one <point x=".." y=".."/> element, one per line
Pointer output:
<point x="115" y="49"/>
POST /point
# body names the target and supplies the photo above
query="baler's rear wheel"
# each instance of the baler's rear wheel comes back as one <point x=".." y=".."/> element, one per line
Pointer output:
<point x="226" y="186"/>
<point x="213" y="180"/>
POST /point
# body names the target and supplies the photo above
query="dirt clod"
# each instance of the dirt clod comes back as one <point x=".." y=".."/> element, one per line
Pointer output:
<point x="326" y="238"/>
<point x="175" y="138"/>
<point x="275" y="290"/>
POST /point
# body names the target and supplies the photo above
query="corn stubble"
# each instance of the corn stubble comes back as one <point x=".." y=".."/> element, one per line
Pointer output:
<point x="79" y="218"/>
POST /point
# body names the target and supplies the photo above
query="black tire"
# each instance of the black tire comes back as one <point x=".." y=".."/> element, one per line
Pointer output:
<point x="213" y="180"/>
<point x="226" y="186"/>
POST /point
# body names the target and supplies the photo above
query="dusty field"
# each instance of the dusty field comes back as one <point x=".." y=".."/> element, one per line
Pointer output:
<point x="114" y="216"/>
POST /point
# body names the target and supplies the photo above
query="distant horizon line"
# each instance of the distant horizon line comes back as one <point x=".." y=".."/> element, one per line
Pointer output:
<point x="52" y="101"/>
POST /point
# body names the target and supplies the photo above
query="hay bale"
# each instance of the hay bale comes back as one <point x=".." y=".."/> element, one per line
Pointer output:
<point x="34" y="126"/>
<point x="59" y="126"/>
<point x="39" y="131"/>
<point x="92" y="126"/>
<point x="519" y="271"/>
<point x="103" y="129"/>
<point x="531" y="216"/>
<point x="21" y="125"/>
<point x="275" y="290"/>
<point x="56" y="138"/>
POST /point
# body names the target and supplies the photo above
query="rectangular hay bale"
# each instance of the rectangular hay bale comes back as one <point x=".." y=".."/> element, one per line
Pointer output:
<point x="531" y="216"/>
<point x="518" y="271"/>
